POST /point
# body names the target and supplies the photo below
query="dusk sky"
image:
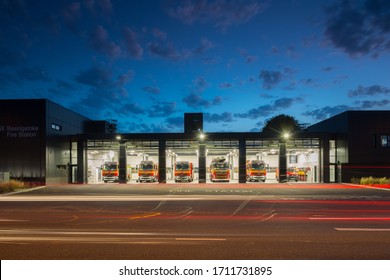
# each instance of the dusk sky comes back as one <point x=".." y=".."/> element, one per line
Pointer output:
<point x="145" y="63"/>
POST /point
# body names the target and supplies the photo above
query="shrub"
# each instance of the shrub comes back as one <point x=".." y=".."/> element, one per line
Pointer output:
<point x="355" y="180"/>
<point x="11" y="186"/>
<point x="372" y="181"/>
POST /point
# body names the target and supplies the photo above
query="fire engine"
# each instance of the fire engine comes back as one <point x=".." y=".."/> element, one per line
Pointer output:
<point x="148" y="171"/>
<point x="110" y="172"/>
<point x="256" y="171"/>
<point x="184" y="171"/>
<point x="219" y="170"/>
<point x="291" y="174"/>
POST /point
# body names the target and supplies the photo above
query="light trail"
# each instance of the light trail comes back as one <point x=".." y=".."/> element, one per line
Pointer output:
<point x="351" y="218"/>
<point x="363" y="229"/>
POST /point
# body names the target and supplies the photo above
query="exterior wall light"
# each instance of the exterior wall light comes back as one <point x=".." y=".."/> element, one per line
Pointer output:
<point x="118" y="137"/>
<point x="286" y="135"/>
<point x="202" y="136"/>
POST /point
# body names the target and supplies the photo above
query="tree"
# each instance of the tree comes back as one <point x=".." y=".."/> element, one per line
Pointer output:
<point x="281" y="124"/>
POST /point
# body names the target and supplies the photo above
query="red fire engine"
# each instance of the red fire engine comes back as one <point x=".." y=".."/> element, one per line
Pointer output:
<point x="219" y="170"/>
<point x="148" y="171"/>
<point x="256" y="171"/>
<point x="110" y="172"/>
<point x="184" y="171"/>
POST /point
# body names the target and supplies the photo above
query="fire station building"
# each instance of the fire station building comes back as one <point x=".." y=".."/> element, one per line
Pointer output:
<point x="43" y="142"/>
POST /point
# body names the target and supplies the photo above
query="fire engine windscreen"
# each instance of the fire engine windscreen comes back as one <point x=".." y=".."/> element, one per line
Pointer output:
<point x="182" y="166"/>
<point x="110" y="166"/>
<point x="146" y="166"/>
<point x="258" y="166"/>
<point x="221" y="166"/>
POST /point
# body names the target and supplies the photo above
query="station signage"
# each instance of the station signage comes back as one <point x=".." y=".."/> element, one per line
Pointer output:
<point x="12" y="131"/>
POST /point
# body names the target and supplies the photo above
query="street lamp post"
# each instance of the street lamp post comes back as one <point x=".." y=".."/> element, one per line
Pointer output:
<point x="283" y="158"/>
<point x="202" y="158"/>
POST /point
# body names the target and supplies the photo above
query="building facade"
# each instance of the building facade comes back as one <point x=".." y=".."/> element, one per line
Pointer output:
<point x="46" y="143"/>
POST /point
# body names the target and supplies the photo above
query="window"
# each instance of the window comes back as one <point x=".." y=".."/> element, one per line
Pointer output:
<point x="293" y="159"/>
<point x="385" y="140"/>
<point x="56" y="127"/>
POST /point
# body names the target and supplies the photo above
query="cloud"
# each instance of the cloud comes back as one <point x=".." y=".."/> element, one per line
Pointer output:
<point x="327" y="69"/>
<point x="105" y="6"/>
<point x="104" y="90"/>
<point x="270" y="79"/>
<point x="369" y="91"/>
<point x="168" y="125"/>
<point x="132" y="45"/>
<point x="225" y="85"/>
<point x="327" y="112"/>
<point x="205" y="44"/>
<point x="372" y="104"/>
<point x="167" y="50"/>
<point x="101" y="43"/>
<point x="195" y="99"/>
<point x="125" y="78"/>
<point x="131" y="108"/>
<point x="72" y="15"/>
<point x="267" y="110"/>
<point x="221" y="14"/>
<point x="63" y="89"/>
<point x="175" y="122"/>
<point x="150" y="89"/>
<point x="200" y="84"/>
<point x="217" y="118"/>
<point x="162" y="109"/>
<point x="159" y="34"/>
<point x="96" y="76"/>
<point x="359" y="27"/>
<point x="248" y="58"/>
<point x="95" y="7"/>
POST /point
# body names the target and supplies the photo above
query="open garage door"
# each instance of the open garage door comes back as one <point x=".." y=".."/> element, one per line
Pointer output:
<point x="222" y="161"/>
<point x="182" y="161"/>
<point x="303" y="157"/>
<point x="102" y="161"/>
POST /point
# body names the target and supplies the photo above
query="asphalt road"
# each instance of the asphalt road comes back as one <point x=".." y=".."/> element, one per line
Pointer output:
<point x="195" y="221"/>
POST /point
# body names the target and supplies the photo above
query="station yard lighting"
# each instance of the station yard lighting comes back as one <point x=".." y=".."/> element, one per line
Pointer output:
<point x="118" y="137"/>
<point x="202" y="136"/>
<point x="286" y="135"/>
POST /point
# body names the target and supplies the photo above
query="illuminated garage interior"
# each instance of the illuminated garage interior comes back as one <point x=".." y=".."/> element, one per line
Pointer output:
<point x="302" y="157"/>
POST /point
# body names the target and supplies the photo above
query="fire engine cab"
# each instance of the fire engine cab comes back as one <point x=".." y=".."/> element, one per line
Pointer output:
<point x="219" y="170"/>
<point x="110" y="172"/>
<point x="148" y="171"/>
<point x="184" y="171"/>
<point x="256" y="171"/>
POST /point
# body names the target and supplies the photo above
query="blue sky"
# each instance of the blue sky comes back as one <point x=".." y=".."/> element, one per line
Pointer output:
<point x="145" y="63"/>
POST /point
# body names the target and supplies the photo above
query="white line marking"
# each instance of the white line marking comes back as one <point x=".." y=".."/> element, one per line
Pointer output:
<point x="351" y="218"/>
<point x="200" y="239"/>
<point x="362" y="229"/>
<point x="11" y="220"/>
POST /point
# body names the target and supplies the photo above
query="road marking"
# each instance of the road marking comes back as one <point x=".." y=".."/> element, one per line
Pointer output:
<point x="200" y="239"/>
<point x="352" y="218"/>
<point x="11" y="220"/>
<point x="362" y="229"/>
